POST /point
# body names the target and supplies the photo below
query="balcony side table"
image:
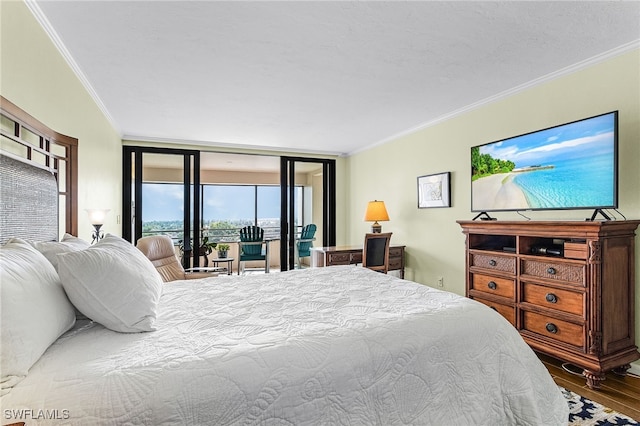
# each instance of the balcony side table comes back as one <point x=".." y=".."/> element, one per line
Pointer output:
<point x="227" y="260"/>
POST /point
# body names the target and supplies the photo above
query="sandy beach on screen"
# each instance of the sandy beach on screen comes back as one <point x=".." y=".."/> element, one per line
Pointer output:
<point x="498" y="192"/>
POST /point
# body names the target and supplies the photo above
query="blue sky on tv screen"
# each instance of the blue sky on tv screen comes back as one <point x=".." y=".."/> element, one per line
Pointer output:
<point x="592" y="137"/>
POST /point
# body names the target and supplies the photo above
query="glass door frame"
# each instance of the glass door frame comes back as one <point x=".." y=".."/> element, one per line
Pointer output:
<point x="132" y="161"/>
<point x="287" y="206"/>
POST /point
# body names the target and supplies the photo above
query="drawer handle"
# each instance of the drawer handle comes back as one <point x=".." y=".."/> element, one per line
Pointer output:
<point x="551" y="298"/>
<point x="551" y="270"/>
<point x="551" y="328"/>
<point x="492" y="262"/>
<point x="492" y="285"/>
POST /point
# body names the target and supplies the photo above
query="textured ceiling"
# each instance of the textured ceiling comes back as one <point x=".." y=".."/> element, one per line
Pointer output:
<point x="319" y="76"/>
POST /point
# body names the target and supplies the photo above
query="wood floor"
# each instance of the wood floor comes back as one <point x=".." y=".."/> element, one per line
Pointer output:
<point x="620" y="393"/>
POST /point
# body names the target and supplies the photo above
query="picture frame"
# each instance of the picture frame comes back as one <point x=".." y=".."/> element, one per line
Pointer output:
<point x="434" y="190"/>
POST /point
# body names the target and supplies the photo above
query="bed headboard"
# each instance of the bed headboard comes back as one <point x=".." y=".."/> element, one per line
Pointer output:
<point x="38" y="177"/>
<point x="29" y="196"/>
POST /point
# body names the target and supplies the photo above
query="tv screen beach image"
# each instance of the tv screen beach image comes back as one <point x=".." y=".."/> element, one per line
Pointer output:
<point x="568" y="166"/>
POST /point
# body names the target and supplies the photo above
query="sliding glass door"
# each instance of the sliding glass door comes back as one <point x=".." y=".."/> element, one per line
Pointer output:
<point x="307" y="196"/>
<point x="190" y="195"/>
<point x="161" y="195"/>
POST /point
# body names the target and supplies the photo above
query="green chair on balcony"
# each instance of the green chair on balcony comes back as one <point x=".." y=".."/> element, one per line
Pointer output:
<point x="250" y="247"/>
<point x="305" y="242"/>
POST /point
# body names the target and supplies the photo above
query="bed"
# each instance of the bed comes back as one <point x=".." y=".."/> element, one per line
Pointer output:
<point x="341" y="345"/>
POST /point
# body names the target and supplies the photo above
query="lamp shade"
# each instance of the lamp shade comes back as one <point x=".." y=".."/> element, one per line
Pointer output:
<point x="376" y="211"/>
<point x="97" y="216"/>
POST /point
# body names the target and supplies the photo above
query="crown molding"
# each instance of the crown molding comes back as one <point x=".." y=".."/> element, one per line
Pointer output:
<point x="620" y="50"/>
<point x="53" y="35"/>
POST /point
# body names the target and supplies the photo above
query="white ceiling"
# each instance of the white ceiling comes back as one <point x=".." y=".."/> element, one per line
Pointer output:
<point x="319" y="76"/>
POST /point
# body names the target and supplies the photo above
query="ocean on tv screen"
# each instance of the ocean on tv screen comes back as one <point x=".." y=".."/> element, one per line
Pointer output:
<point x="569" y="166"/>
<point x="570" y="183"/>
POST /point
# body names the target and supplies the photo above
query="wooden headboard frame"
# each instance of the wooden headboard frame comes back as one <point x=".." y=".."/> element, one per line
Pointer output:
<point x="38" y="177"/>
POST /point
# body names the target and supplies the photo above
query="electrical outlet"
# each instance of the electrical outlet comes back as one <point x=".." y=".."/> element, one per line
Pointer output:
<point x="440" y="282"/>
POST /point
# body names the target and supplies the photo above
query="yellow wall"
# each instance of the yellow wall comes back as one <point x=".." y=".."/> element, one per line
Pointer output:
<point x="35" y="77"/>
<point x="435" y="245"/>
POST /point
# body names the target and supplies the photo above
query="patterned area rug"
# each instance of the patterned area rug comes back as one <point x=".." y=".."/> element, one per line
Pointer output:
<point x="584" y="412"/>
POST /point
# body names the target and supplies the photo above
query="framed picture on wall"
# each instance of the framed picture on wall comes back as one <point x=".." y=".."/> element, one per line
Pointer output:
<point x="434" y="190"/>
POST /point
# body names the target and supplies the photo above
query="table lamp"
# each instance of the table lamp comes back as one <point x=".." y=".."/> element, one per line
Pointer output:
<point x="376" y="211"/>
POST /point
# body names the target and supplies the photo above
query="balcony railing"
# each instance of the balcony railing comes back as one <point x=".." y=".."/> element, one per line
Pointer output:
<point x="218" y="235"/>
<point x="229" y="236"/>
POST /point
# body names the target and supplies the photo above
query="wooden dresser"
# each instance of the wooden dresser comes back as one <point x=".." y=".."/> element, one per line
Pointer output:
<point x="567" y="287"/>
<point x="352" y="255"/>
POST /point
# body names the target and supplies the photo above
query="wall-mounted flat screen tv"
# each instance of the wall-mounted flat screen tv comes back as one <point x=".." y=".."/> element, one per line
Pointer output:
<point x="569" y="166"/>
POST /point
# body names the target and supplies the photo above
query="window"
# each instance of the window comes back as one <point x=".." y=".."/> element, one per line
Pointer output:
<point x="162" y="210"/>
<point x="225" y="209"/>
<point x="268" y="210"/>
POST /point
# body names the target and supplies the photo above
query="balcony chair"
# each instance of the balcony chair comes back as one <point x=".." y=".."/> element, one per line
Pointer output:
<point x="250" y="247"/>
<point x="305" y="242"/>
<point x="375" y="255"/>
<point x="160" y="251"/>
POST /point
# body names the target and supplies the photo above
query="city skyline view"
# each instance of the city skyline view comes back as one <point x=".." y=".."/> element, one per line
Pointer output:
<point x="164" y="202"/>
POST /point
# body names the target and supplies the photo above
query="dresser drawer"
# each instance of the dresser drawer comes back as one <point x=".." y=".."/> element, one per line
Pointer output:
<point x="395" y="252"/>
<point x="566" y="272"/>
<point x="495" y="262"/>
<point x="339" y="258"/>
<point x="553" y="298"/>
<point x="356" y="257"/>
<point x="508" y="312"/>
<point x="493" y="285"/>
<point x="395" y="264"/>
<point x="553" y="328"/>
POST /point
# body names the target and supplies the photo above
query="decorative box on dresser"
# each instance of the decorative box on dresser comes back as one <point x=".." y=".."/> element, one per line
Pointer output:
<point x="567" y="287"/>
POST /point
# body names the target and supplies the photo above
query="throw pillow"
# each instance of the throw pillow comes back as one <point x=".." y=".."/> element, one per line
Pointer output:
<point x="112" y="283"/>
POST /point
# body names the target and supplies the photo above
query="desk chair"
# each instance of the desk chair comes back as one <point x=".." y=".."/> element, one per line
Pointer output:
<point x="305" y="242"/>
<point x="250" y="247"/>
<point x="375" y="254"/>
<point x="160" y="251"/>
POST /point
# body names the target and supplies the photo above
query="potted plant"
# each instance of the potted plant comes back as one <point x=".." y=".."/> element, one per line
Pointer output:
<point x="206" y="247"/>
<point x="222" y="250"/>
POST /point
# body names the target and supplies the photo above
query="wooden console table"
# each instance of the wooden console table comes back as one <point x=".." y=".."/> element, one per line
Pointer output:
<point x="352" y="255"/>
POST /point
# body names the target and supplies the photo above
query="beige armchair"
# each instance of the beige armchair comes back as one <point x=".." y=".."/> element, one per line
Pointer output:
<point x="160" y="251"/>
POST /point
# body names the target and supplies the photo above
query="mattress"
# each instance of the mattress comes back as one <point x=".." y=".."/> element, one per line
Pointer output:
<point x="341" y="345"/>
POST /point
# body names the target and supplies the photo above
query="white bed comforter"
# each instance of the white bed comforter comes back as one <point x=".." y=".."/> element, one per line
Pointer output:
<point x="331" y="346"/>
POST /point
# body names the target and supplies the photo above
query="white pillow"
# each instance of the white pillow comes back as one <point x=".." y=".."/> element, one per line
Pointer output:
<point x="34" y="309"/>
<point x="51" y="249"/>
<point x="112" y="283"/>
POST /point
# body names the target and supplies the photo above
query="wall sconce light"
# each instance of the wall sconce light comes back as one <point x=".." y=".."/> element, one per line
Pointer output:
<point x="96" y="217"/>
<point x="376" y="211"/>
